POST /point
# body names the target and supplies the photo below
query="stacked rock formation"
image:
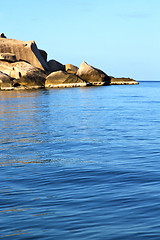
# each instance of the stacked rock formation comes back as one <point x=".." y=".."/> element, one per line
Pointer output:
<point x="24" y="66"/>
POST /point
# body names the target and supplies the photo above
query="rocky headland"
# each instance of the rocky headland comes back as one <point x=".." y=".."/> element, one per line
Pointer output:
<point x="123" y="81"/>
<point x="24" y="66"/>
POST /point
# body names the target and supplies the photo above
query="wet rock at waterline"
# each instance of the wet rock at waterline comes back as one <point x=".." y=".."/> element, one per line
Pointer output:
<point x="6" y="82"/>
<point x="24" y="75"/>
<point x="64" y="79"/>
<point x="123" y="81"/>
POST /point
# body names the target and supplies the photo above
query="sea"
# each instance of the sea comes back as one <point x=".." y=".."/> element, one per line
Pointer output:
<point x="80" y="163"/>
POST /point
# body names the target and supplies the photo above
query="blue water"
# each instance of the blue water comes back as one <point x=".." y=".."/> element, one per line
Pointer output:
<point x="80" y="163"/>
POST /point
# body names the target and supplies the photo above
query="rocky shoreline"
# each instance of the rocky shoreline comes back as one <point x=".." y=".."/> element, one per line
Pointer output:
<point x="24" y="66"/>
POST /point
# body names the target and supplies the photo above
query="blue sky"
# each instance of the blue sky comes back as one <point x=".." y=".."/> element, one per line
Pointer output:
<point x="121" y="37"/>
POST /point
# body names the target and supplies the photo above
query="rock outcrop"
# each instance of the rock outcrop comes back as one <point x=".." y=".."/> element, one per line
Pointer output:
<point x="24" y="51"/>
<point x="24" y="66"/>
<point x="123" y="81"/>
<point x="6" y="82"/>
<point x="25" y="75"/>
<point x="54" y="66"/>
<point x="93" y="75"/>
<point x="64" y="79"/>
<point x="71" y="68"/>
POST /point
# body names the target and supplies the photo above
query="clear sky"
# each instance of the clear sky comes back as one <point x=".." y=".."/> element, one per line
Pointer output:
<point x="121" y="37"/>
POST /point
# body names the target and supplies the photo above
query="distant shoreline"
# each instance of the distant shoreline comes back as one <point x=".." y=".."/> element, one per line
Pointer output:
<point x="24" y="66"/>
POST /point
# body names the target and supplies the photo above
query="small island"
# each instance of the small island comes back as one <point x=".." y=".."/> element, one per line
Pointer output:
<point x="24" y="66"/>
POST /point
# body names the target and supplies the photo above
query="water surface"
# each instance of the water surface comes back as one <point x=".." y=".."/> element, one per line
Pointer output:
<point x="80" y="163"/>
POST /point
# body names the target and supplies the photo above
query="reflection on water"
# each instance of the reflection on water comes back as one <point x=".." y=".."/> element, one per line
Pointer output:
<point x="15" y="210"/>
<point x="80" y="163"/>
<point x="15" y="233"/>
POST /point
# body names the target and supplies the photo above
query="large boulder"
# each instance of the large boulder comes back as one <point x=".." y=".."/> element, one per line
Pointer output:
<point x="24" y="51"/>
<point x="93" y="75"/>
<point x="54" y="66"/>
<point x="6" y="82"/>
<point x="122" y="81"/>
<point x="71" y="68"/>
<point x="26" y="75"/>
<point x="64" y="79"/>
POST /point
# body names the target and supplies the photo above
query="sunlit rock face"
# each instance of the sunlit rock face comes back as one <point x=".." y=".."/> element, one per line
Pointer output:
<point x="24" y="51"/>
<point x="8" y="57"/>
<point x="93" y="75"/>
<point x="64" y="79"/>
<point x="24" y="66"/>
<point x="24" y="74"/>
<point x="123" y="81"/>
<point x="27" y="75"/>
<point x="71" y="68"/>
